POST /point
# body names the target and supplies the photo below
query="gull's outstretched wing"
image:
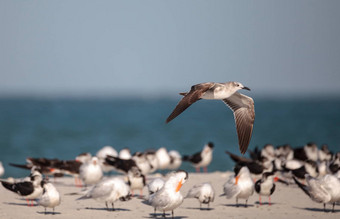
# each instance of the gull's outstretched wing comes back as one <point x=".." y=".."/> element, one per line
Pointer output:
<point x="244" y="114"/>
<point x="194" y="95"/>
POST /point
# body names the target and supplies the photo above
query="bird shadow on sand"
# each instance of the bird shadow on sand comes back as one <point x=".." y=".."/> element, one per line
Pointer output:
<point x="20" y="204"/>
<point x="202" y="209"/>
<point x="160" y="215"/>
<point x="48" y="212"/>
<point x="265" y="203"/>
<point x="238" y="206"/>
<point x="105" y="209"/>
<point x="329" y="210"/>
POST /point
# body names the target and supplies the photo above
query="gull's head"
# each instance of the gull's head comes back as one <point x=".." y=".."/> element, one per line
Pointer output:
<point x="176" y="180"/>
<point x="241" y="170"/>
<point x="94" y="160"/>
<point x="239" y="86"/>
<point x="182" y="177"/>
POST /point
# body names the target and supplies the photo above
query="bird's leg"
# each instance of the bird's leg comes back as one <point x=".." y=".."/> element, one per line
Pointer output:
<point x="77" y="181"/>
<point x="45" y="211"/>
<point x="246" y="203"/>
<point x="324" y="207"/>
<point x="141" y="193"/>
<point x="131" y="193"/>
<point x="163" y="214"/>
<point x="80" y="182"/>
<point x="53" y="211"/>
<point x="197" y="169"/>
<point x="107" y="207"/>
<point x="260" y="199"/>
<point x="333" y="207"/>
<point x="172" y="214"/>
<point x="28" y="203"/>
<point x="208" y="205"/>
<point x="113" y="207"/>
<point x="236" y="202"/>
<point x="154" y="212"/>
<point x="200" y="206"/>
<point x="270" y="201"/>
<point x="205" y="169"/>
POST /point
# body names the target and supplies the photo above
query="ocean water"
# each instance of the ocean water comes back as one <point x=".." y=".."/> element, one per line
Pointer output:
<point x="63" y="128"/>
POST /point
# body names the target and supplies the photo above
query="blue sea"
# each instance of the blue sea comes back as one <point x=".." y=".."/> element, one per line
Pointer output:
<point x="63" y="128"/>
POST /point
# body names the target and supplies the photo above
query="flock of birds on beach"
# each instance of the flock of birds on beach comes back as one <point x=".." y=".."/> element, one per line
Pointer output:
<point x="314" y="170"/>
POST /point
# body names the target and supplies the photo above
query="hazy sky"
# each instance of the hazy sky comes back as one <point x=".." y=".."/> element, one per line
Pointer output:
<point x="140" y="47"/>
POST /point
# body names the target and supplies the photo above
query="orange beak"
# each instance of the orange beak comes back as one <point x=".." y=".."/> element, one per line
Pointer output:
<point x="179" y="185"/>
<point x="52" y="170"/>
<point x="236" y="179"/>
<point x="276" y="179"/>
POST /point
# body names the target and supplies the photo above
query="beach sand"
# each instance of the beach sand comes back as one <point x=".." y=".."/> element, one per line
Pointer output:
<point x="287" y="202"/>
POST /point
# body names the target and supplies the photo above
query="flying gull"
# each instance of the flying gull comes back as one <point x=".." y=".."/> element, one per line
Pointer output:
<point x="241" y="105"/>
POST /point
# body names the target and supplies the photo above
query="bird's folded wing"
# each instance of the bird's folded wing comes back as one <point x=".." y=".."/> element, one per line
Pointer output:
<point x="244" y="114"/>
<point x="194" y="191"/>
<point x="318" y="192"/>
<point x="230" y="189"/>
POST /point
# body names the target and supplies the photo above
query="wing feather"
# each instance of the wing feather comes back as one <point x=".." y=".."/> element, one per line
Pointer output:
<point x="244" y="114"/>
<point x="194" y="95"/>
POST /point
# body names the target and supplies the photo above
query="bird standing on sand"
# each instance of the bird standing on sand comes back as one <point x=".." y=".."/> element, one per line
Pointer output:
<point x="91" y="172"/>
<point x="50" y="197"/>
<point x="136" y="180"/>
<point x="109" y="190"/>
<point x="154" y="186"/>
<point x="169" y="197"/>
<point x="266" y="186"/>
<point x="322" y="190"/>
<point x="202" y="158"/>
<point x="30" y="190"/>
<point x="240" y="186"/>
<point x="241" y="105"/>
<point x="204" y="193"/>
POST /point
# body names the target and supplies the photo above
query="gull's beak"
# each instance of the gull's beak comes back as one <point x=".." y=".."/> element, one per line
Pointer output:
<point x="179" y="185"/>
<point x="236" y="179"/>
<point x="246" y="88"/>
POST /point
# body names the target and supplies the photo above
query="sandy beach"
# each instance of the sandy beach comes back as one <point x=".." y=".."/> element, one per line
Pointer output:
<point x="287" y="202"/>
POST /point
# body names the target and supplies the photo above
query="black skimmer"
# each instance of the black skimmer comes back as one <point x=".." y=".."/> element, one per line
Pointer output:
<point x="256" y="167"/>
<point x="241" y="105"/>
<point x="266" y="186"/>
<point x="136" y="180"/>
<point x="202" y="158"/>
<point x="29" y="190"/>
<point x="307" y="152"/>
<point x="103" y="153"/>
<point x="324" y="153"/>
<point x="121" y="165"/>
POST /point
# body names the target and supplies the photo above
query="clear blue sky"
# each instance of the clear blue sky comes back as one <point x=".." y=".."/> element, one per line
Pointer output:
<point x="72" y="48"/>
